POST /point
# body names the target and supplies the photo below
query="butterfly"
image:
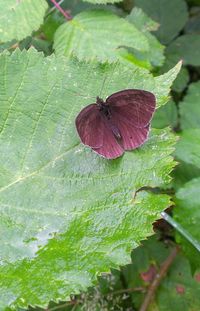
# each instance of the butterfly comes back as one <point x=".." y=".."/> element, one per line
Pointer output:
<point x="120" y="123"/>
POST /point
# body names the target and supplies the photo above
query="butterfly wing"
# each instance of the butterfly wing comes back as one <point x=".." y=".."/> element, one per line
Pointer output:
<point x="132" y="137"/>
<point x="135" y="106"/>
<point x="94" y="132"/>
<point x="89" y="125"/>
<point x="110" y="148"/>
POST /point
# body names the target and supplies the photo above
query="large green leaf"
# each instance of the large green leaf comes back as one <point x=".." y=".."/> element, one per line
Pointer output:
<point x="187" y="213"/>
<point x="69" y="210"/>
<point x="90" y="36"/>
<point x="190" y="107"/>
<point x="155" y="53"/>
<point x="170" y="14"/>
<point x="19" y="19"/>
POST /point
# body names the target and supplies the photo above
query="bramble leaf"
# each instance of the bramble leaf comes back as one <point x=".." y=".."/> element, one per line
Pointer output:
<point x="18" y="19"/>
<point x="84" y="36"/>
<point x="67" y="213"/>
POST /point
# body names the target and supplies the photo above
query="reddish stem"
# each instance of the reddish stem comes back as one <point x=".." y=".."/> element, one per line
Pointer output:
<point x="157" y="280"/>
<point x="64" y="13"/>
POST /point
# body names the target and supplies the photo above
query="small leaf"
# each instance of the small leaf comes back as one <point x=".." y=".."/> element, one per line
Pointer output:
<point x="18" y="19"/>
<point x="67" y="213"/>
<point x="84" y="36"/>
<point x="190" y="107"/>
<point x="169" y="14"/>
<point x="141" y="20"/>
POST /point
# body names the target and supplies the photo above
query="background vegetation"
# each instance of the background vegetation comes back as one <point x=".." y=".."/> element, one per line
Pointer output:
<point x="70" y="219"/>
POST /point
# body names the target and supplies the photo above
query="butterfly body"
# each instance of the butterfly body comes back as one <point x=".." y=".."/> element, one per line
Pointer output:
<point x="105" y="110"/>
<point x="118" y="124"/>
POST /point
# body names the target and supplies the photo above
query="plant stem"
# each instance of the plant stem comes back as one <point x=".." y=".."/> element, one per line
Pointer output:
<point x="181" y="230"/>
<point x="157" y="279"/>
<point x="64" y="13"/>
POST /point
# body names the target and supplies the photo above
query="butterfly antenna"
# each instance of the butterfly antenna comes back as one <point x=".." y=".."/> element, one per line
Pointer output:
<point x="102" y="86"/>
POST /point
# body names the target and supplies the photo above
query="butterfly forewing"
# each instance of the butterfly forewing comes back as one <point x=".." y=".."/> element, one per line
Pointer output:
<point x="136" y="106"/>
<point x="90" y="126"/>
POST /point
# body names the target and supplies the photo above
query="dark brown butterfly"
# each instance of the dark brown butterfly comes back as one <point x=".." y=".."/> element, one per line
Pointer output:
<point x="118" y="124"/>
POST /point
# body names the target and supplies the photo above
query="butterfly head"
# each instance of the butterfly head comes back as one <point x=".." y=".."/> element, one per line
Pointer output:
<point x="99" y="102"/>
<point x="103" y="107"/>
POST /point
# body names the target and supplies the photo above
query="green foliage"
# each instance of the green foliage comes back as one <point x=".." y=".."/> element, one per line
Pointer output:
<point x="147" y="261"/>
<point x="179" y="290"/>
<point x="75" y="6"/>
<point x="188" y="147"/>
<point x="166" y="116"/>
<point x="155" y="53"/>
<point x="193" y="24"/>
<point x="141" y="20"/>
<point x="102" y="1"/>
<point x="169" y="14"/>
<point x="127" y="287"/>
<point x="19" y="19"/>
<point x="190" y="107"/>
<point x="66" y="214"/>
<point x="51" y="23"/>
<point x="85" y="35"/>
<point x="181" y="49"/>
<point x="54" y="188"/>
<point x="187" y="214"/>
<point x="183" y="78"/>
<point x="183" y="173"/>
